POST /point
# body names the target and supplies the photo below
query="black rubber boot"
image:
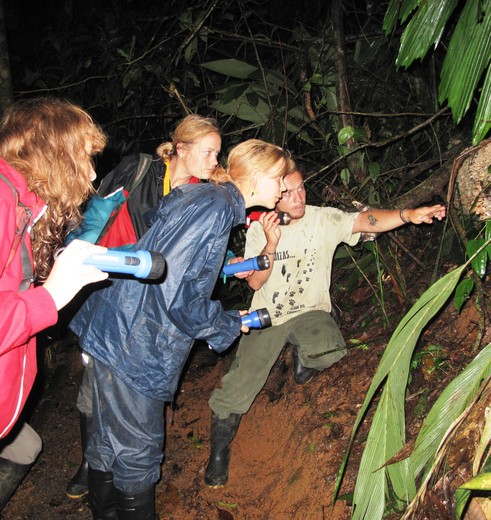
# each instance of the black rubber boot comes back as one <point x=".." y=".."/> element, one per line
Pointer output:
<point x="136" y="506"/>
<point x="11" y="475"/>
<point x="222" y="433"/>
<point x="79" y="485"/>
<point x="102" y="495"/>
<point x="302" y="374"/>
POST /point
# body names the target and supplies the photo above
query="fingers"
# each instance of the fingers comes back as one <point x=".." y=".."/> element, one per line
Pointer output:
<point x="90" y="274"/>
<point x="244" y="328"/>
<point x="69" y="273"/>
<point x="427" y="214"/>
<point x="81" y="250"/>
<point x="270" y="223"/>
<point x="269" y="220"/>
<point x="244" y="274"/>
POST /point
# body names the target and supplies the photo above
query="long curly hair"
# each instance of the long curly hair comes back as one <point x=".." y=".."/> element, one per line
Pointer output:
<point x="251" y="156"/>
<point x="188" y="131"/>
<point x="51" y="143"/>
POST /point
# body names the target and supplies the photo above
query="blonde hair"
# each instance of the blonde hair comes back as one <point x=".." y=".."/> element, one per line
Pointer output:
<point x="250" y="156"/>
<point x="47" y="141"/>
<point x="188" y="131"/>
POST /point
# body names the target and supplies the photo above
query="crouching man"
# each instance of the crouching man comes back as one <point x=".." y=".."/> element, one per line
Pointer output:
<point x="295" y="290"/>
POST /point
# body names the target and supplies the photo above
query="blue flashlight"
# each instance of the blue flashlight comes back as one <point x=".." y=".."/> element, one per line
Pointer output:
<point x="141" y="264"/>
<point x="257" y="319"/>
<point x="257" y="263"/>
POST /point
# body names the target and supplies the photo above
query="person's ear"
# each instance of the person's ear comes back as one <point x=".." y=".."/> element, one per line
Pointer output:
<point x="253" y="185"/>
<point x="181" y="150"/>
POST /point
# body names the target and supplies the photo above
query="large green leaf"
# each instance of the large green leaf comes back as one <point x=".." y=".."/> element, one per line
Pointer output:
<point x="388" y="420"/>
<point x="424" y="29"/>
<point x="241" y="108"/>
<point x="398" y="9"/>
<point x="384" y="440"/>
<point x="482" y="121"/>
<point x="467" y="57"/>
<point x="451" y="403"/>
<point x="231" y="67"/>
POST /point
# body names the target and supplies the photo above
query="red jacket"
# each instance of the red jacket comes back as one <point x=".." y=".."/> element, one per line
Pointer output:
<point x="22" y="314"/>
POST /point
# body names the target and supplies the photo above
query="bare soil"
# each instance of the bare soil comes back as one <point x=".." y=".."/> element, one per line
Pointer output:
<point x="289" y="446"/>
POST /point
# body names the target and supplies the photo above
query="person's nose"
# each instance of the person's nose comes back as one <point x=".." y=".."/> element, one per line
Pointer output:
<point x="296" y="197"/>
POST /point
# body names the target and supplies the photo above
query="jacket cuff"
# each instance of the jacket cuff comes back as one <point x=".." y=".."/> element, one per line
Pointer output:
<point x="42" y="312"/>
<point x="227" y="331"/>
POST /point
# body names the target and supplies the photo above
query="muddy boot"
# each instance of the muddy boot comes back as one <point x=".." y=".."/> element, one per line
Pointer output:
<point x="11" y="475"/>
<point x="302" y="374"/>
<point x="222" y="433"/>
<point x="136" y="506"/>
<point x="78" y="485"/>
<point x="102" y="495"/>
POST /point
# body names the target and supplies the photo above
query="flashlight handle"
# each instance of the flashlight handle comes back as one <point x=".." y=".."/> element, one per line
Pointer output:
<point x="141" y="264"/>
<point x="256" y="263"/>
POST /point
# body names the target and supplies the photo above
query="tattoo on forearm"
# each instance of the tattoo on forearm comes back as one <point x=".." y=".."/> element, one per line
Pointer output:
<point x="372" y="220"/>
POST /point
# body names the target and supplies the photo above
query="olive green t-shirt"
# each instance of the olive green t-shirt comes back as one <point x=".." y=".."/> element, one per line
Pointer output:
<point x="301" y="276"/>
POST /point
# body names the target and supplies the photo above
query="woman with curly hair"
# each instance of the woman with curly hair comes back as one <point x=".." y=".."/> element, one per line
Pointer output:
<point x="46" y="173"/>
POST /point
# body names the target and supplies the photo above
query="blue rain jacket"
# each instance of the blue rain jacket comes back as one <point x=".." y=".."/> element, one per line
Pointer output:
<point x="144" y="330"/>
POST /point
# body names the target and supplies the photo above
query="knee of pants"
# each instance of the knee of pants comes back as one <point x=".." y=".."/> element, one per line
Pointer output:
<point x="24" y="448"/>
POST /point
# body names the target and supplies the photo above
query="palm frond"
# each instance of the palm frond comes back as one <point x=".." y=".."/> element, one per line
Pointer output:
<point x="467" y="57"/>
<point x="424" y="29"/>
<point x="388" y="421"/>
<point x="451" y="403"/>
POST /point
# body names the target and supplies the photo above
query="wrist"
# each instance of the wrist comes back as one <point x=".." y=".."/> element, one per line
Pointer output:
<point x="270" y="249"/>
<point x="403" y="216"/>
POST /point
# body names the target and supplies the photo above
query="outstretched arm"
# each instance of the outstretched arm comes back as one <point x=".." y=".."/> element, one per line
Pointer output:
<point x="380" y="220"/>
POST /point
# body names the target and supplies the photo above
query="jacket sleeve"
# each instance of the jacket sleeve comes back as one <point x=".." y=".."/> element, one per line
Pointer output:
<point x="23" y="314"/>
<point x="192" y="309"/>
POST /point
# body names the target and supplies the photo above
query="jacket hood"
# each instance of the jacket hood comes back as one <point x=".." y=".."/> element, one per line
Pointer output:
<point x="27" y="197"/>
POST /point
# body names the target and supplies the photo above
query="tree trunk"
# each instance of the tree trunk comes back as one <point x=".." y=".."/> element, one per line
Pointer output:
<point x="342" y="90"/>
<point x="6" y="91"/>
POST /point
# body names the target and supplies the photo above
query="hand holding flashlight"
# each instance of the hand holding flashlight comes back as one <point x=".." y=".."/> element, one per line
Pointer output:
<point x="258" y="319"/>
<point x="283" y="217"/>
<point x="141" y="264"/>
<point x="257" y="263"/>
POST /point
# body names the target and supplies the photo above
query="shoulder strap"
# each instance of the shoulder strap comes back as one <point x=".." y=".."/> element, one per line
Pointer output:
<point x="141" y="170"/>
<point x="23" y="218"/>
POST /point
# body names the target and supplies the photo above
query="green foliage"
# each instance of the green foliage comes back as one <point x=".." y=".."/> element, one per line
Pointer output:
<point x="196" y="441"/>
<point x="387" y="433"/>
<point x="378" y="479"/>
<point x="480" y="484"/>
<point x="479" y="253"/>
<point x="373" y="248"/>
<point x="265" y="98"/>
<point x="466" y="60"/>
<point x="262" y="72"/>
<point x="449" y="405"/>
